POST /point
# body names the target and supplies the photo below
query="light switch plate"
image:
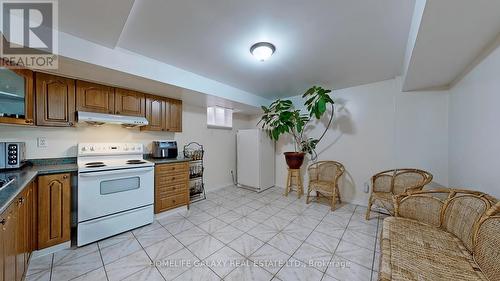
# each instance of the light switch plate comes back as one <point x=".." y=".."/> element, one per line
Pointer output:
<point x="42" y="142"/>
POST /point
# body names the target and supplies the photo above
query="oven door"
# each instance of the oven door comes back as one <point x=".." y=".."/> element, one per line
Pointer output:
<point x="105" y="193"/>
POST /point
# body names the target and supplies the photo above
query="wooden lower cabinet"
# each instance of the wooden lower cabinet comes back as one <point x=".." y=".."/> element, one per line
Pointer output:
<point x="54" y="198"/>
<point x="171" y="186"/>
<point x="15" y="245"/>
<point x="9" y="245"/>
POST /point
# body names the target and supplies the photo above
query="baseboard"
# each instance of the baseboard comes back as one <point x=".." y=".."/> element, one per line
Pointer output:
<point x="51" y="250"/>
<point x="215" y="188"/>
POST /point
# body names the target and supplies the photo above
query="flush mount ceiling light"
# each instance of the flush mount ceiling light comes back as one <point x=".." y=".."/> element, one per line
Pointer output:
<point x="262" y="50"/>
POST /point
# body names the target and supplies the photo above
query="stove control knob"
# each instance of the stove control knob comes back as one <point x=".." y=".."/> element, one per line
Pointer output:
<point x="125" y="148"/>
<point x="92" y="148"/>
<point x="133" y="147"/>
<point x="84" y="148"/>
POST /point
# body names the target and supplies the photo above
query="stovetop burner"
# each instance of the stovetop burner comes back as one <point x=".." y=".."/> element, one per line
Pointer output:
<point x="138" y="161"/>
<point x="94" y="163"/>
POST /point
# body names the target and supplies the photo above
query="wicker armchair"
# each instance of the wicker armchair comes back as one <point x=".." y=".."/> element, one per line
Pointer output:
<point x="446" y="234"/>
<point x="323" y="178"/>
<point x="388" y="183"/>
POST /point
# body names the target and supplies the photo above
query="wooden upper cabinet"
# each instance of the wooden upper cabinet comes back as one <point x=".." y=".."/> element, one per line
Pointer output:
<point x="163" y="114"/>
<point x="93" y="97"/>
<point x="155" y="113"/>
<point x="129" y="103"/>
<point x="174" y="116"/>
<point x="54" y="194"/>
<point x="16" y="96"/>
<point x="55" y="100"/>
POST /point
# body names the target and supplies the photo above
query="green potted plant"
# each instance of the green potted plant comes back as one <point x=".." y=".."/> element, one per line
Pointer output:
<point x="281" y="117"/>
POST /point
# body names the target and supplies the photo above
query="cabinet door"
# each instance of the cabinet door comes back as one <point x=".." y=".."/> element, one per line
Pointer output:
<point x="9" y="235"/>
<point x="3" y="220"/>
<point x="55" y="100"/>
<point x="174" y="116"/>
<point x="21" y="236"/>
<point x="54" y="193"/>
<point x="30" y="218"/>
<point x="155" y="113"/>
<point x="16" y="96"/>
<point x="94" y="97"/>
<point x="130" y="103"/>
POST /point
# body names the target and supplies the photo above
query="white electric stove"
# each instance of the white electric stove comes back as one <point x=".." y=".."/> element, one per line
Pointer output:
<point x="115" y="190"/>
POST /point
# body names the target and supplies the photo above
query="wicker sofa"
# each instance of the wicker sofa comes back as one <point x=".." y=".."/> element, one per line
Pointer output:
<point x="446" y="234"/>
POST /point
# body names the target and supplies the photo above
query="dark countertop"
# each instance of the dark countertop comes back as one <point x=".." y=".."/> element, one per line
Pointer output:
<point x="26" y="175"/>
<point x="167" y="161"/>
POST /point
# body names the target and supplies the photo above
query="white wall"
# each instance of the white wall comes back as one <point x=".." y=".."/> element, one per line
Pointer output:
<point x="474" y="128"/>
<point x="378" y="127"/>
<point x="220" y="145"/>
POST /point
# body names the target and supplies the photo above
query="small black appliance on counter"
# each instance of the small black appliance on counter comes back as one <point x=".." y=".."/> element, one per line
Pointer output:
<point x="164" y="149"/>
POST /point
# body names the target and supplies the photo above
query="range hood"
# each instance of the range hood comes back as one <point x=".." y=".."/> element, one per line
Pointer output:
<point x="93" y="118"/>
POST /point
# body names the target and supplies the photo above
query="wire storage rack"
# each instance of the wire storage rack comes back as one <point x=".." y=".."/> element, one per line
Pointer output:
<point x="195" y="152"/>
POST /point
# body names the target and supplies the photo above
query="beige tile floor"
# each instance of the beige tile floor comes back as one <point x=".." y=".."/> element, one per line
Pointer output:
<point x="233" y="235"/>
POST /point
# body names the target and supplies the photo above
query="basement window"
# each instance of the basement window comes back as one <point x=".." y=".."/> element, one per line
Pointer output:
<point x="219" y="117"/>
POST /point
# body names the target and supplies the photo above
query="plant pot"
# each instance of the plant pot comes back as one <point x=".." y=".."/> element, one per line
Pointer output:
<point x="294" y="160"/>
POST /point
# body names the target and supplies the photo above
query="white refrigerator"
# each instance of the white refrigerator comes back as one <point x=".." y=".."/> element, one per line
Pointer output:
<point x="255" y="159"/>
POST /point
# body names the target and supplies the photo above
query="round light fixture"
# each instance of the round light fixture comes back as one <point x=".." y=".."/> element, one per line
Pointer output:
<point x="262" y="50"/>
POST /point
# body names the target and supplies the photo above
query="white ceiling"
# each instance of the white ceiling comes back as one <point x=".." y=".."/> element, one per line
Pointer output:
<point x="453" y="33"/>
<point x="335" y="43"/>
<point x="99" y="21"/>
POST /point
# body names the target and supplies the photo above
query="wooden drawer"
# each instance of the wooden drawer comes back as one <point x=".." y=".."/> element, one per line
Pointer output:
<point x="171" y="191"/>
<point x="173" y="201"/>
<point x="171" y="179"/>
<point x="168" y="169"/>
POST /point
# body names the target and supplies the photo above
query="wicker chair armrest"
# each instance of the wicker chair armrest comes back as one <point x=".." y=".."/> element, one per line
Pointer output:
<point x="421" y="206"/>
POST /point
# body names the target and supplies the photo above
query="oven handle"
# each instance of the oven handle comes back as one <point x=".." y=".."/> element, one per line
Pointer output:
<point x="115" y="172"/>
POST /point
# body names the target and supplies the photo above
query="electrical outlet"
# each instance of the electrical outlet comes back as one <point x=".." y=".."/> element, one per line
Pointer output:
<point x="367" y="187"/>
<point x="42" y="142"/>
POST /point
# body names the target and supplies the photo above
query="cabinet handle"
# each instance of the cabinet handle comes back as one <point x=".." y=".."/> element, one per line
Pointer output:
<point x="65" y="177"/>
<point x="2" y="222"/>
<point x="29" y="121"/>
<point x="21" y="200"/>
<point x="70" y="124"/>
